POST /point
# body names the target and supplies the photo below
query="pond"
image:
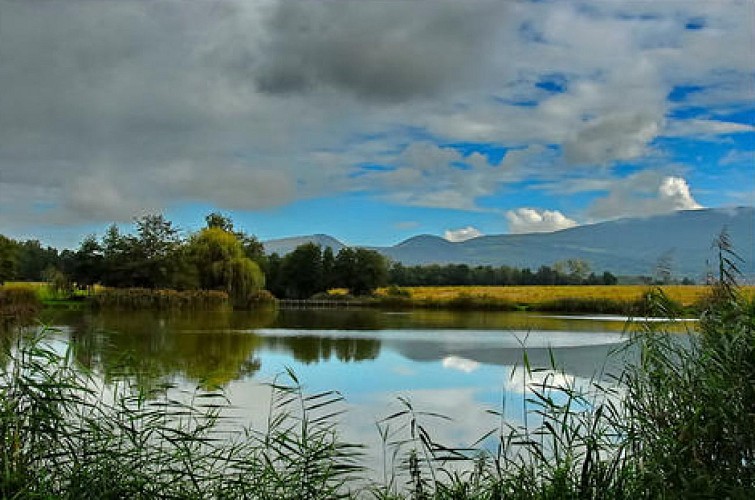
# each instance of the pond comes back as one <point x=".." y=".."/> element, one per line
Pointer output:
<point x="458" y="364"/>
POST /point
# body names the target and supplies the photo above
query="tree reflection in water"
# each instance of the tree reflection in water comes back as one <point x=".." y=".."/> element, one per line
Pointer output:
<point x="207" y="349"/>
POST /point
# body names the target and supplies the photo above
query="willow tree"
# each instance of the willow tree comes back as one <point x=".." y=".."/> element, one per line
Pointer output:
<point x="222" y="265"/>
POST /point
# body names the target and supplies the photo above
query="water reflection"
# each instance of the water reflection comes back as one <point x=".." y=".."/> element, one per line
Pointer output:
<point x="153" y="349"/>
<point x="314" y="349"/>
<point x="456" y="364"/>
<point x="213" y="349"/>
<point x="209" y="349"/>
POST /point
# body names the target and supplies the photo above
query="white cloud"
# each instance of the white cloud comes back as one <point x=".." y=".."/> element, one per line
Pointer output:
<point x="252" y="104"/>
<point x="705" y="128"/>
<point x="530" y="220"/>
<point x="460" y="364"/>
<point x="462" y="234"/>
<point x="644" y="193"/>
<point x="674" y="191"/>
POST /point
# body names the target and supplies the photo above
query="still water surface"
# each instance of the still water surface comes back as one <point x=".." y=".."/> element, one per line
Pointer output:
<point x="456" y="364"/>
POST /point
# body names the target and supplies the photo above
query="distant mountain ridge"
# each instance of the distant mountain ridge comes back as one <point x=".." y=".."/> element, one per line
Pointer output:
<point x="631" y="246"/>
<point x="282" y="246"/>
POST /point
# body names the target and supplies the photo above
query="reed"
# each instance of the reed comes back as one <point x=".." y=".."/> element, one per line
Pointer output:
<point x="18" y="303"/>
<point x="143" y="298"/>
<point x="676" y="423"/>
<point x="63" y="435"/>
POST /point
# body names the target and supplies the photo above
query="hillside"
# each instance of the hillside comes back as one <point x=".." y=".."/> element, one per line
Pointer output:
<point x="625" y="246"/>
<point x="283" y="246"/>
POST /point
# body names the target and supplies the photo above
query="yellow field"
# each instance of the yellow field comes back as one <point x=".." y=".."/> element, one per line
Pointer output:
<point x="686" y="295"/>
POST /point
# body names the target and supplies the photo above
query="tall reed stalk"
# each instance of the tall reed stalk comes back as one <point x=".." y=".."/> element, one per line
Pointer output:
<point x="64" y="435"/>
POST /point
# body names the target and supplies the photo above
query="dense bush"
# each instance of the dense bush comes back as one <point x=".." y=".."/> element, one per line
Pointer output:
<point x="18" y="302"/>
<point x="144" y="298"/>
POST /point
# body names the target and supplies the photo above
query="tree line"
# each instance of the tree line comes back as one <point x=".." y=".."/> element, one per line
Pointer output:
<point x="154" y="256"/>
<point x="567" y="272"/>
<point x="219" y="257"/>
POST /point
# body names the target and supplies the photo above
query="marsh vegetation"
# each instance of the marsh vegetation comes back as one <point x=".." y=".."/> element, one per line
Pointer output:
<point x="674" y="423"/>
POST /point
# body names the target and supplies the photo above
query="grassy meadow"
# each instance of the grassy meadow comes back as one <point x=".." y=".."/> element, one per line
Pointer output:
<point x="571" y="298"/>
<point x="535" y="294"/>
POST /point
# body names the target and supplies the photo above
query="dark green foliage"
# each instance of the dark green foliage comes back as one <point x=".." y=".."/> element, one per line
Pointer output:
<point x="570" y="272"/>
<point x="34" y="260"/>
<point x="692" y="406"/>
<point x="8" y="259"/>
<point x="360" y="270"/>
<point x="301" y="273"/>
<point x="151" y="258"/>
<point x="165" y="300"/>
<point x="309" y="270"/>
<point x="18" y="303"/>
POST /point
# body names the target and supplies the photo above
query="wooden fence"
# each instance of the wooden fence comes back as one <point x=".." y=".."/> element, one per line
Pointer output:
<point x="318" y="304"/>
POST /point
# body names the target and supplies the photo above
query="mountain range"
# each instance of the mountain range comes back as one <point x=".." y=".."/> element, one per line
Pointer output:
<point x="681" y="240"/>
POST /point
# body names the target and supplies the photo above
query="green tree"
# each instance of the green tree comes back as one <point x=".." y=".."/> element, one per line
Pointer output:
<point x="156" y="244"/>
<point x="328" y="263"/>
<point x="117" y="252"/>
<point x="34" y="260"/>
<point x="8" y="259"/>
<point x="221" y="265"/>
<point x="273" y="279"/>
<point x="360" y="270"/>
<point x="576" y="270"/>
<point x="219" y="221"/>
<point x="253" y="248"/>
<point x="301" y="272"/>
<point x="88" y="263"/>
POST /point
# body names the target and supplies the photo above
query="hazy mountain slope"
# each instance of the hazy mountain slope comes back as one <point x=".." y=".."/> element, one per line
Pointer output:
<point x="625" y="246"/>
<point x="283" y="246"/>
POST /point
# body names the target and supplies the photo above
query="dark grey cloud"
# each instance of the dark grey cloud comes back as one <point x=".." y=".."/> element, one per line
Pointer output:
<point x="385" y="51"/>
<point x="109" y="108"/>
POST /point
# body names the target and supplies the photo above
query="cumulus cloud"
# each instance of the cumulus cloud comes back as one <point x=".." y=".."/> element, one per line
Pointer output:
<point x="531" y="220"/>
<point x="110" y="108"/>
<point x="462" y="234"/>
<point x="644" y="193"/>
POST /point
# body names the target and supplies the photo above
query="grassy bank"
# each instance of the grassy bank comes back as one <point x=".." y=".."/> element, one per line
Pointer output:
<point x="677" y="424"/>
<point x="161" y="300"/>
<point x="18" y="303"/>
<point x="610" y="299"/>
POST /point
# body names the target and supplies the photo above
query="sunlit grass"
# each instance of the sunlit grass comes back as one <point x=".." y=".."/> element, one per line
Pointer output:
<point x="686" y="295"/>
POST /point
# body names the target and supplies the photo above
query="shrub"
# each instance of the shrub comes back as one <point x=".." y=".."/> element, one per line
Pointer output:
<point x="18" y="303"/>
<point x="144" y="298"/>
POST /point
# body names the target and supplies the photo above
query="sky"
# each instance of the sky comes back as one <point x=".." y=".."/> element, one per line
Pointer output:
<point x="371" y="121"/>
